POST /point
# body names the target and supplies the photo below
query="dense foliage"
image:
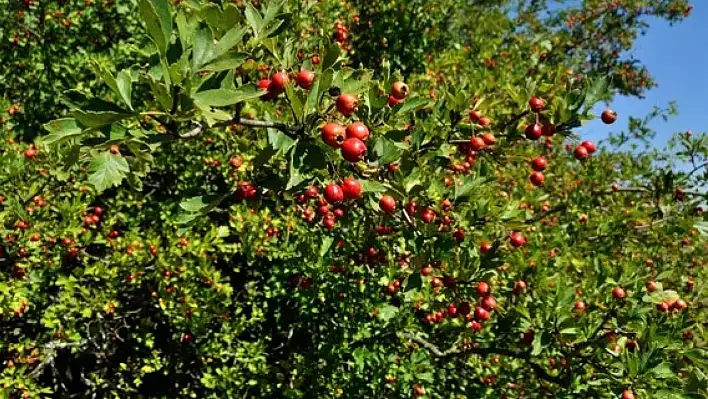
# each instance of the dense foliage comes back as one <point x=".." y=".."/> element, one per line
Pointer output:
<point x="246" y="200"/>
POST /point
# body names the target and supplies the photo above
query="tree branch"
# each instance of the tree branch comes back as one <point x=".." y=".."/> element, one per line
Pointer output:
<point x="456" y="352"/>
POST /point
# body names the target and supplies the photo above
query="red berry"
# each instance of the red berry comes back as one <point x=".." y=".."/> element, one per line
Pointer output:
<point x="346" y="104"/>
<point x="477" y="143"/>
<point x="353" y="150"/>
<point x="651" y="286"/>
<point x="333" y="135"/>
<point x="475" y="325"/>
<point x="30" y="153"/>
<point x="608" y="116"/>
<point x="589" y="145"/>
<point x="662" y="307"/>
<point x="315" y="59"/>
<point x="393" y="101"/>
<point x="539" y="164"/>
<point x="548" y="129"/>
<point x="312" y="191"/>
<point x="520" y="286"/>
<point x="537" y="104"/>
<point x="537" y="178"/>
<point x="264" y="84"/>
<point x="358" y="130"/>
<point x="427" y="215"/>
<point x="484" y="121"/>
<point x="305" y="79"/>
<point x="533" y="132"/>
<point x="580" y="306"/>
<point x="329" y="223"/>
<point x="426" y="271"/>
<point x="628" y="394"/>
<point x="333" y="193"/>
<point x="680" y="304"/>
<point x="459" y="235"/>
<point x="483" y="288"/>
<point x="581" y="153"/>
<point x="489" y="303"/>
<point x="485" y="247"/>
<point x="399" y="90"/>
<point x="279" y="81"/>
<point x="475" y="115"/>
<point x="481" y="314"/>
<point x="351" y="188"/>
<point x="517" y="239"/>
<point x="619" y="293"/>
<point x="452" y="310"/>
<point x="489" y="138"/>
<point x="387" y="204"/>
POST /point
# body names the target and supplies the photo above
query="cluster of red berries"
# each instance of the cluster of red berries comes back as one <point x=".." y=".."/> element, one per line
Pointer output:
<point x="246" y="191"/>
<point x="334" y="194"/>
<point x="93" y="218"/>
<point x="341" y="32"/>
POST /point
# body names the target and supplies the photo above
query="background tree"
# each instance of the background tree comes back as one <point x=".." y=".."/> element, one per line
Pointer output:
<point x="243" y="209"/>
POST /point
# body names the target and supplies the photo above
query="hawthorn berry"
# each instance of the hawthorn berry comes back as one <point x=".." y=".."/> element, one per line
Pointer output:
<point x="477" y="143"/>
<point x="353" y="150"/>
<point x="305" y="79"/>
<point x="590" y="146"/>
<point x="608" y="116"/>
<point x="581" y="153"/>
<point x="352" y="188"/>
<point x="387" y="204"/>
<point x="537" y="178"/>
<point x="278" y="82"/>
<point x="539" y="164"/>
<point x="399" y="90"/>
<point x="537" y="104"/>
<point x="346" y="104"/>
<point x="533" y="132"/>
<point x="357" y="130"/>
<point x="333" y="193"/>
<point x="333" y="135"/>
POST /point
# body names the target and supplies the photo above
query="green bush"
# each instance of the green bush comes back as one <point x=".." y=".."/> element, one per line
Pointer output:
<point x="178" y="231"/>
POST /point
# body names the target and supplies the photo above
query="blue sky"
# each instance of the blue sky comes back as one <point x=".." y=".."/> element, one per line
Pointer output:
<point x="677" y="57"/>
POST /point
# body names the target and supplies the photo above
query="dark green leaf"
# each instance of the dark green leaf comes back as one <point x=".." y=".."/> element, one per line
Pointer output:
<point x="156" y="14"/>
<point x="61" y="130"/>
<point x="228" y="61"/>
<point x="223" y="97"/>
<point x="107" y="170"/>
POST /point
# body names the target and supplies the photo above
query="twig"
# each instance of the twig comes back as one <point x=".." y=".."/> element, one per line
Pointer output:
<point x="455" y="352"/>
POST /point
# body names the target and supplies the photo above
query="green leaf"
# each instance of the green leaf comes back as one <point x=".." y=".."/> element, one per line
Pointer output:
<point x="467" y="186"/>
<point x="199" y="204"/>
<point x="61" y="130"/>
<point x="254" y="19"/>
<point x="124" y="83"/>
<point x="157" y="18"/>
<point x="371" y="186"/>
<point x="203" y="47"/>
<point x="663" y="370"/>
<point x="322" y="83"/>
<point x="386" y="150"/>
<point x="185" y="28"/>
<point x="595" y="93"/>
<point x="326" y="244"/>
<point x="98" y="119"/>
<point x="280" y="142"/>
<point x="411" y="105"/>
<point x="297" y="101"/>
<point x="229" y="40"/>
<point x="228" y="61"/>
<point x="386" y="312"/>
<point x="331" y="56"/>
<point x="224" y="97"/>
<point x="159" y="91"/>
<point x="108" y="170"/>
